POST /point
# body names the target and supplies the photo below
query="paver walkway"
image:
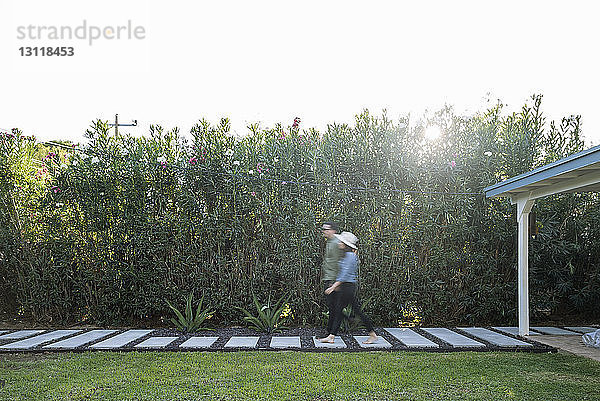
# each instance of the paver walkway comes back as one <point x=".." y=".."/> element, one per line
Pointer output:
<point x="572" y="344"/>
<point x="414" y="339"/>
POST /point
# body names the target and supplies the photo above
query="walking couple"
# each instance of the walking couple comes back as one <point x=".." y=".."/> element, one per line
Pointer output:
<point x="339" y="277"/>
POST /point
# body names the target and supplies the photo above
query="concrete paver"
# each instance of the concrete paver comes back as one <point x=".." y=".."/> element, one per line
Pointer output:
<point x="453" y="338"/>
<point x="411" y="339"/>
<point x="285" y="342"/>
<point x="380" y="343"/>
<point x="494" y="338"/>
<point x="39" y="339"/>
<point x="513" y="330"/>
<point x="553" y="331"/>
<point x="156" y="342"/>
<point x="337" y="343"/>
<point x="121" y="340"/>
<point x="20" y="334"/>
<point x="582" y="329"/>
<point x="241" y="342"/>
<point x="199" y="342"/>
<point x="81" y="339"/>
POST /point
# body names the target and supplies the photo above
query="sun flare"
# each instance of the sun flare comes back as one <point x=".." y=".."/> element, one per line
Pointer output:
<point x="433" y="132"/>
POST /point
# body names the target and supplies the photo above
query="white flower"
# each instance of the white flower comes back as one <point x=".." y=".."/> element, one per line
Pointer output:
<point x="236" y="163"/>
<point x="161" y="159"/>
<point x="101" y="193"/>
<point x="95" y="160"/>
<point x="250" y="171"/>
<point x="63" y="165"/>
<point x="275" y="160"/>
<point x="75" y="163"/>
<point x="59" y="204"/>
<point x="229" y="152"/>
<point x="488" y="153"/>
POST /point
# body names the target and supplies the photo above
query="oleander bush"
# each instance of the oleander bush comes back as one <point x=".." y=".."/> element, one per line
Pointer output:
<point x="110" y="230"/>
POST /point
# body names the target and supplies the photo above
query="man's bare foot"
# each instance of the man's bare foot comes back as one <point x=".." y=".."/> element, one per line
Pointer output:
<point x="329" y="339"/>
<point x="372" y="338"/>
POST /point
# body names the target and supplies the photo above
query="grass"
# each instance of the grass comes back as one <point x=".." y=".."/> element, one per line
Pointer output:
<point x="298" y="376"/>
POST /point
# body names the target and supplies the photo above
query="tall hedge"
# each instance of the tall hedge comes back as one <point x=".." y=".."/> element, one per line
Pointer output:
<point x="109" y="231"/>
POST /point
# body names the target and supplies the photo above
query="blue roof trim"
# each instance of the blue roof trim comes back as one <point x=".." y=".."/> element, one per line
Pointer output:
<point x="570" y="163"/>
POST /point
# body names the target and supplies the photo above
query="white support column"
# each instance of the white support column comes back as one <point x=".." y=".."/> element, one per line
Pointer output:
<point x="523" y="208"/>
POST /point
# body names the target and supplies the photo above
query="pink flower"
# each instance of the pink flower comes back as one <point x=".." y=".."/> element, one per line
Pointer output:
<point x="55" y="189"/>
<point x="193" y="160"/>
<point x="163" y="164"/>
<point x="296" y="122"/>
<point x="453" y="163"/>
<point x="281" y="135"/>
<point x="50" y="156"/>
<point x="260" y="168"/>
<point x="253" y="193"/>
<point x="41" y="173"/>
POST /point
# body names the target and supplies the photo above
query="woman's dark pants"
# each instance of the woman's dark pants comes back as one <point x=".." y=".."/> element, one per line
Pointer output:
<point x="346" y="296"/>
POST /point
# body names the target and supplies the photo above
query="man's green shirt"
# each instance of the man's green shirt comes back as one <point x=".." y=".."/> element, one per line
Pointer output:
<point x="330" y="261"/>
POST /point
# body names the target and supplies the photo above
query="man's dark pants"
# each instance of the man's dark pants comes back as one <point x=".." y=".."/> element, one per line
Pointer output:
<point x="331" y="300"/>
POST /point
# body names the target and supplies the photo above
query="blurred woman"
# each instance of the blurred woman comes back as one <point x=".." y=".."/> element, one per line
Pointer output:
<point x="345" y="285"/>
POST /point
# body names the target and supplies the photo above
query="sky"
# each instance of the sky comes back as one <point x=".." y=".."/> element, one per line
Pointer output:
<point x="179" y="61"/>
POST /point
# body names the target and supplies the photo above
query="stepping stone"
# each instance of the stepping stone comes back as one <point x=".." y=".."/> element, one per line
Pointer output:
<point x="337" y="343"/>
<point x="513" y="330"/>
<point x="121" y="339"/>
<point x="3" y="331"/>
<point x="380" y="343"/>
<point x="285" y="342"/>
<point x="583" y="330"/>
<point x="452" y="338"/>
<point x="411" y="339"/>
<point x="81" y="339"/>
<point x="20" y="334"/>
<point x="156" y="342"/>
<point x="199" y="342"/>
<point x="494" y="338"/>
<point x="242" y="342"/>
<point x="554" y="331"/>
<point x="37" y="340"/>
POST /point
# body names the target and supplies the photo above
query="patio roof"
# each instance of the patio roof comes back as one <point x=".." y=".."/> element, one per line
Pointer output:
<point x="579" y="172"/>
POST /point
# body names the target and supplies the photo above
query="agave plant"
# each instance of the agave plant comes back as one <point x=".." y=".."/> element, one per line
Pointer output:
<point x="190" y="322"/>
<point x="270" y="318"/>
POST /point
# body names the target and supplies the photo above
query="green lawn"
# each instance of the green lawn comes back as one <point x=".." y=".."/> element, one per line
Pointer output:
<point x="298" y="376"/>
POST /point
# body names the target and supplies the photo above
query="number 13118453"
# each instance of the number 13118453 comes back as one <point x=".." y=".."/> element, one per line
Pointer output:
<point x="46" y="51"/>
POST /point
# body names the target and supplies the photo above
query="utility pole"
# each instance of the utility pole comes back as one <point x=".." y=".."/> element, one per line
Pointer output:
<point x="117" y="125"/>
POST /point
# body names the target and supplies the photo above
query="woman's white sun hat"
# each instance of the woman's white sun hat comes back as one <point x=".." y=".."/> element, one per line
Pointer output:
<point x="348" y="238"/>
